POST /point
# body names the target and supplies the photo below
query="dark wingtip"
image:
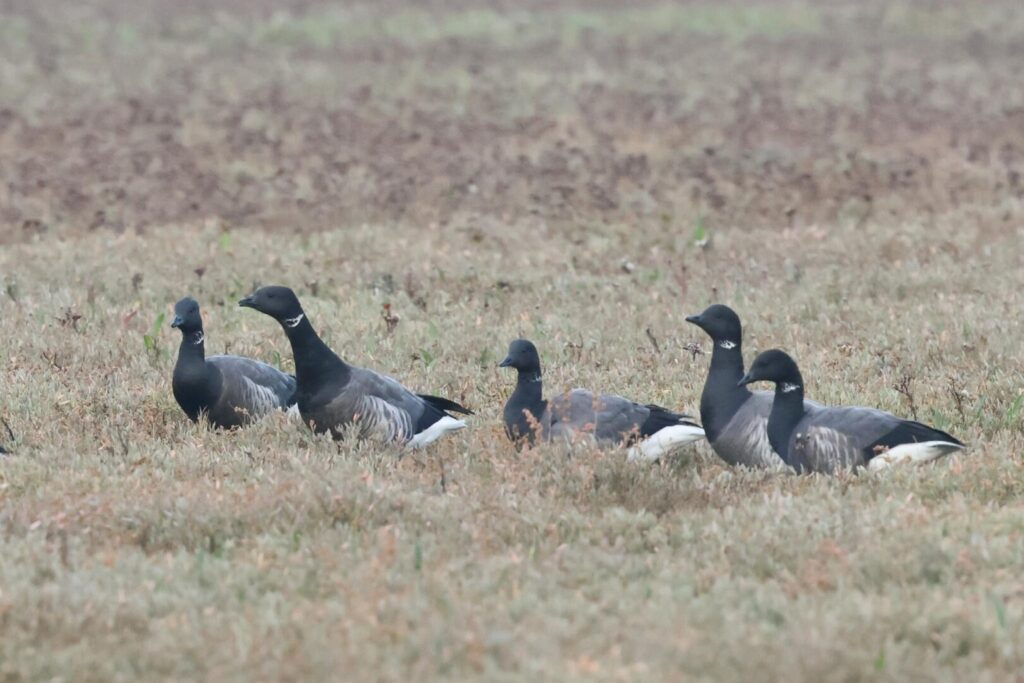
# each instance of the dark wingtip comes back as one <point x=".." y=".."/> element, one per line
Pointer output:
<point x="660" y="418"/>
<point x="942" y="435"/>
<point x="457" y="408"/>
<point x="445" y="404"/>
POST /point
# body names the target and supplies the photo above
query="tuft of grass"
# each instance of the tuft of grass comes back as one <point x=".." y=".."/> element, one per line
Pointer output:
<point x="1013" y="413"/>
<point x="701" y="237"/>
<point x="149" y="340"/>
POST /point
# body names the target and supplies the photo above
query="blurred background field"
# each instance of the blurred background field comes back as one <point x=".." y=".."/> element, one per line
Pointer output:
<point x="847" y="175"/>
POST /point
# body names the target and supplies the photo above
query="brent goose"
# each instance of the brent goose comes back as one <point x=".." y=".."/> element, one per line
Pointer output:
<point x="332" y="394"/>
<point x="230" y="390"/>
<point x="650" y="430"/>
<point x="828" y="439"/>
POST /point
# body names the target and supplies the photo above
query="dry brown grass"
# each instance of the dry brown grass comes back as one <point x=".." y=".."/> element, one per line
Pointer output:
<point x="534" y="170"/>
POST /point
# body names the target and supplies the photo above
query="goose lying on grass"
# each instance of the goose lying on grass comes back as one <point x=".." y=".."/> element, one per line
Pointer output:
<point x="230" y="390"/>
<point x="827" y="439"/>
<point x="333" y="395"/>
<point x="653" y="431"/>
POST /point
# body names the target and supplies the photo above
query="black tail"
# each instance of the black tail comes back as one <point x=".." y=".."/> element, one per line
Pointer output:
<point x="444" y="404"/>
<point x="661" y="418"/>
<point x="909" y="431"/>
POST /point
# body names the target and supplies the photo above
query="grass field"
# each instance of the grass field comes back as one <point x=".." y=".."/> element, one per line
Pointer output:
<point x="846" y="175"/>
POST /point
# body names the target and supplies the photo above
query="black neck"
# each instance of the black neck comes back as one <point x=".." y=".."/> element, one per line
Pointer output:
<point x="192" y="348"/>
<point x="787" y="411"/>
<point x="314" y="360"/>
<point x="722" y="397"/>
<point x="527" y="397"/>
<point x="196" y="384"/>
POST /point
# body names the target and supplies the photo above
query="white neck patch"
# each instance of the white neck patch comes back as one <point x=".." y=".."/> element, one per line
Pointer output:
<point x="787" y="387"/>
<point x="199" y="338"/>
<point x="294" y="322"/>
<point x="727" y="344"/>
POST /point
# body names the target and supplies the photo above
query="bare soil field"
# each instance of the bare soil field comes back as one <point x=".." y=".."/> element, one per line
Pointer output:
<point x="846" y="175"/>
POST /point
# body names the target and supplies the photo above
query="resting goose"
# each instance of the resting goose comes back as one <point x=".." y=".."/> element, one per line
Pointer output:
<point x="612" y="420"/>
<point x="828" y="439"/>
<point x="734" y="418"/>
<point x="332" y="394"/>
<point x="230" y="390"/>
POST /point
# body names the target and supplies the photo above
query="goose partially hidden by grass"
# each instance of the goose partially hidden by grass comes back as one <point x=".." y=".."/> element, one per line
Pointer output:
<point x="333" y="395"/>
<point x="827" y="439"/>
<point x="230" y="390"/>
<point x="652" y="431"/>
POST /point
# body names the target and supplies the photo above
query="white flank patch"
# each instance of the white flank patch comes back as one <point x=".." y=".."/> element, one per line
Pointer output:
<point x="436" y="431"/>
<point x="924" y="451"/>
<point x="664" y="442"/>
<point x="293" y="413"/>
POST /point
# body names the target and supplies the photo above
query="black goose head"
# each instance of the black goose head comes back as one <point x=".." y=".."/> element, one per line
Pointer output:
<point x="280" y="303"/>
<point x="523" y="356"/>
<point x="721" y="323"/>
<point x="773" y="366"/>
<point x="187" y="317"/>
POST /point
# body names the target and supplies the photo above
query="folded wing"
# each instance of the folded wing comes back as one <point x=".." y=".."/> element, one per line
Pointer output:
<point x="382" y="408"/>
<point x="830" y="439"/>
<point x="608" y="417"/>
<point x="252" y="387"/>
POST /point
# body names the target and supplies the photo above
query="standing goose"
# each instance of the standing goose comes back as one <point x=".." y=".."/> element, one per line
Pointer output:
<point x="232" y="391"/>
<point x="735" y="418"/>
<point x="828" y="439"/>
<point x="612" y="420"/>
<point x="333" y="394"/>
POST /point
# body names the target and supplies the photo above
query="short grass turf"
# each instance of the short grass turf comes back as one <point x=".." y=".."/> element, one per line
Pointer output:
<point x="846" y="176"/>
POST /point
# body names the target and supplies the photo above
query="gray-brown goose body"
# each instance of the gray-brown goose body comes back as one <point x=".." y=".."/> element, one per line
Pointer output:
<point x="652" y="432"/>
<point x="333" y="395"/>
<point x="828" y="439"/>
<point x="231" y="391"/>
